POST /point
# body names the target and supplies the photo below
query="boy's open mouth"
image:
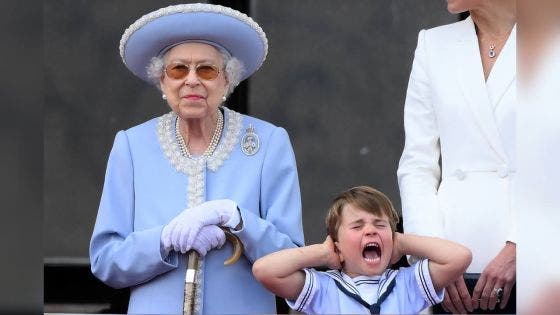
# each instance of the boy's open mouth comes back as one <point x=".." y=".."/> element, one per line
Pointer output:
<point x="372" y="252"/>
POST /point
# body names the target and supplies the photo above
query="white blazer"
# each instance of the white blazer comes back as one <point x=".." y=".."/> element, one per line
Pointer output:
<point x="452" y="113"/>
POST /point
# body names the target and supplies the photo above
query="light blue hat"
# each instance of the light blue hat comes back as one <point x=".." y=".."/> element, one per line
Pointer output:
<point x="157" y="31"/>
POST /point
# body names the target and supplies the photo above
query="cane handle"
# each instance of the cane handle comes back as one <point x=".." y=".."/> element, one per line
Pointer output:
<point x="237" y="248"/>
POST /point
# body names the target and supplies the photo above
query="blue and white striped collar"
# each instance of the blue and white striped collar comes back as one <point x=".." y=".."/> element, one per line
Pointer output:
<point x="369" y="288"/>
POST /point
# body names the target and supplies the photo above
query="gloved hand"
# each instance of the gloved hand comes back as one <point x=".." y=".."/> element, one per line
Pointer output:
<point x="208" y="238"/>
<point x="181" y="231"/>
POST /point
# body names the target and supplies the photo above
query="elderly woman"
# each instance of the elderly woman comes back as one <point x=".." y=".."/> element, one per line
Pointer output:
<point x="460" y="108"/>
<point x="175" y="183"/>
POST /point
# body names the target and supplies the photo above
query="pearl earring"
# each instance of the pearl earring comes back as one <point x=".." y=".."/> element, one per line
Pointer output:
<point x="223" y="98"/>
<point x="163" y="96"/>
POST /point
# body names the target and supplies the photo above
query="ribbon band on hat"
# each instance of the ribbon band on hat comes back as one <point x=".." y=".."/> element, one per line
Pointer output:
<point x="166" y="49"/>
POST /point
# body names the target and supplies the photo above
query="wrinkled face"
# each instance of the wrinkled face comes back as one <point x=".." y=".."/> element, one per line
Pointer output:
<point x="459" y="6"/>
<point x="365" y="242"/>
<point x="192" y="96"/>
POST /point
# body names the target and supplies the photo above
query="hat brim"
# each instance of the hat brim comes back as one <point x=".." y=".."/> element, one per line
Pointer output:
<point x="153" y="33"/>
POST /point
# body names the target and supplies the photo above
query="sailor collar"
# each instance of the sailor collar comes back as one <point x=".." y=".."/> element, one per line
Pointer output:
<point x="360" y="284"/>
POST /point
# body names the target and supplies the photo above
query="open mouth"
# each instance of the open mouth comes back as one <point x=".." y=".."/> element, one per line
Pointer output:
<point x="372" y="252"/>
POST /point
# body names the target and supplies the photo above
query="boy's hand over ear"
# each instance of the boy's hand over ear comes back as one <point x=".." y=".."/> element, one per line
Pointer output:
<point x="397" y="249"/>
<point x="332" y="258"/>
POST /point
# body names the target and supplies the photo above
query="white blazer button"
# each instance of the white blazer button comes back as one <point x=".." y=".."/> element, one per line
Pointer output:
<point x="460" y="174"/>
<point x="503" y="171"/>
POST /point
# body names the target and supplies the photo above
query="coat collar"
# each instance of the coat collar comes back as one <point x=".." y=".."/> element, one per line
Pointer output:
<point x="482" y="97"/>
<point x="233" y="122"/>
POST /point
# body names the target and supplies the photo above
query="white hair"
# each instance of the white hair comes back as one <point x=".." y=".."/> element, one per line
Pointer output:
<point x="234" y="69"/>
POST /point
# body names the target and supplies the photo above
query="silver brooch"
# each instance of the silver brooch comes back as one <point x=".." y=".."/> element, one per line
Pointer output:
<point x="250" y="142"/>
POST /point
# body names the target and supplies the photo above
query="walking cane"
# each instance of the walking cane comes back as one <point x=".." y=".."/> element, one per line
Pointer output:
<point x="192" y="268"/>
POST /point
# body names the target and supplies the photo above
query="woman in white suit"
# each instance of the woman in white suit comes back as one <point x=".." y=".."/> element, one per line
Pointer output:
<point x="460" y="108"/>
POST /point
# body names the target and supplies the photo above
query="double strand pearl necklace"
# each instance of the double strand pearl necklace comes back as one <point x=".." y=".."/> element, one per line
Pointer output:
<point x="213" y="142"/>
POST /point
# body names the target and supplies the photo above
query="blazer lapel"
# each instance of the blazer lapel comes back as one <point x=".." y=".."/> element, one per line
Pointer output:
<point x="504" y="71"/>
<point x="470" y="77"/>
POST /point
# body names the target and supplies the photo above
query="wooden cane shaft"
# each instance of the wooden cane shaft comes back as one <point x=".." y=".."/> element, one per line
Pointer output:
<point x="190" y="283"/>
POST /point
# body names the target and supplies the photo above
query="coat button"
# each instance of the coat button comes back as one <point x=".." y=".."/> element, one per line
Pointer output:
<point x="460" y="174"/>
<point x="503" y="171"/>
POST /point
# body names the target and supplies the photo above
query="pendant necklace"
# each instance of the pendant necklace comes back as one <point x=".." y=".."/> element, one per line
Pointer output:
<point x="492" y="52"/>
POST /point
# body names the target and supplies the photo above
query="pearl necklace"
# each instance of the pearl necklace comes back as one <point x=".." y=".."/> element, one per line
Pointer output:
<point x="213" y="142"/>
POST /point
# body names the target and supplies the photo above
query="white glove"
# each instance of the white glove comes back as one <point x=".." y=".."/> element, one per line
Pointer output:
<point x="180" y="232"/>
<point x="209" y="237"/>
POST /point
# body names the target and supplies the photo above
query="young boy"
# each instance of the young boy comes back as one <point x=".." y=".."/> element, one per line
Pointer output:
<point x="363" y="243"/>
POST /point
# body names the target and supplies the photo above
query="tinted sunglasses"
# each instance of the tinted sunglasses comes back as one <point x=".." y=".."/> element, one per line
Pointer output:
<point x="179" y="71"/>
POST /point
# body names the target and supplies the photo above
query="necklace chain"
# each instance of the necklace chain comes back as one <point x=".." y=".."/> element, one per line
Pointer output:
<point x="213" y="142"/>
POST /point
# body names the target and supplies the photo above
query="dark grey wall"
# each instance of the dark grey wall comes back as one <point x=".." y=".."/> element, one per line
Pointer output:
<point x="335" y="78"/>
<point x="21" y="158"/>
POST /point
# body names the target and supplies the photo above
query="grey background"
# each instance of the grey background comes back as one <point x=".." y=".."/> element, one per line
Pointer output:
<point x="335" y="78"/>
<point x="21" y="160"/>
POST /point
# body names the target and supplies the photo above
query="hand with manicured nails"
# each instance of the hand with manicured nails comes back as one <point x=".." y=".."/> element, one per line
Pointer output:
<point x="499" y="273"/>
<point x="457" y="299"/>
<point x="179" y="234"/>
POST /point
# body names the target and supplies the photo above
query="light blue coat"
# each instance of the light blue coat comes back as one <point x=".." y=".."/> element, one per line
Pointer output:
<point x="145" y="187"/>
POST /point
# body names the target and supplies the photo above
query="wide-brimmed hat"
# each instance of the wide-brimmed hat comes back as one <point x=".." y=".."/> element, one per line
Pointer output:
<point x="157" y="31"/>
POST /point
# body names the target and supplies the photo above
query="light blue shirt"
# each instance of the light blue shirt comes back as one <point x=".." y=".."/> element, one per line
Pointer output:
<point x="146" y="186"/>
<point x="413" y="291"/>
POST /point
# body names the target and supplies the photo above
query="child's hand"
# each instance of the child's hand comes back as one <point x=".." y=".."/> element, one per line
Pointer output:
<point x="332" y="259"/>
<point x="397" y="251"/>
